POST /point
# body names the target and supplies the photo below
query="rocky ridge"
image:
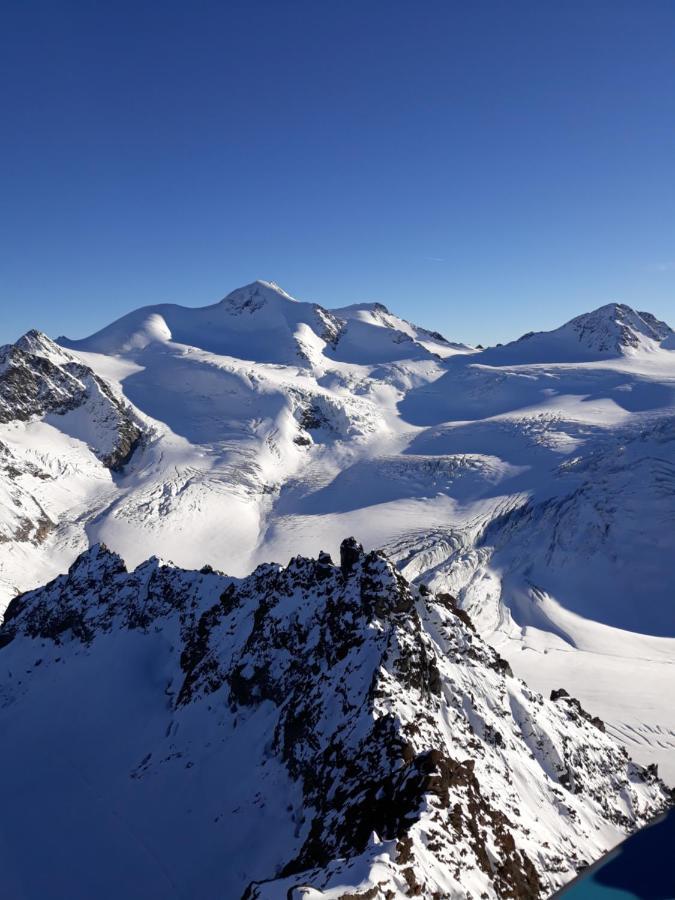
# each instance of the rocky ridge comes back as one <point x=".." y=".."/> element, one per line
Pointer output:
<point x="611" y="330"/>
<point x="616" y="327"/>
<point x="419" y="766"/>
<point x="38" y="378"/>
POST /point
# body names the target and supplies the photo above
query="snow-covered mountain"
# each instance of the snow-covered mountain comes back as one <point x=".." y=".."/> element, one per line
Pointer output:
<point x="64" y="433"/>
<point x="39" y="380"/>
<point x="317" y="730"/>
<point x="535" y="481"/>
<point x="610" y="331"/>
<point x="264" y="324"/>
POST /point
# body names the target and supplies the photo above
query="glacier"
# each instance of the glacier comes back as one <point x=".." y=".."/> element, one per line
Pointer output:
<point x="534" y="481"/>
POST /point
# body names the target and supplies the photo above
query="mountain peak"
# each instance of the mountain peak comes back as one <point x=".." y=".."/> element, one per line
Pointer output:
<point x="38" y="344"/>
<point x="39" y="378"/>
<point x="254" y="295"/>
<point x="617" y="327"/>
<point x="623" y="315"/>
<point x="611" y="330"/>
<point x="262" y="322"/>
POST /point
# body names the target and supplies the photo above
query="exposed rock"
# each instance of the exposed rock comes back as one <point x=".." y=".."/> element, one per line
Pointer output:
<point x="575" y="705"/>
<point x="37" y="378"/>
<point x="350" y="554"/>
<point x="408" y="741"/>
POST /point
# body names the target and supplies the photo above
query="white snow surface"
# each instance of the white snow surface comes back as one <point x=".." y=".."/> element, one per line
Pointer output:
<point x="535" y="481"/>
<point x="317" y="728"/>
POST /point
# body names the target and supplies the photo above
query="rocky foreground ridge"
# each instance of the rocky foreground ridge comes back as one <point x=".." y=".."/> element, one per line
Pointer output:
<point x="317" y="730"/>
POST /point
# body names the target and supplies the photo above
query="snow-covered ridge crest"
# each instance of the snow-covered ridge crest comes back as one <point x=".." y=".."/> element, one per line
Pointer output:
<point x="360" y="718"/>
<point x="38" y="378"/>
<point x="612" y="330"/>
<point x="244" y="297"/>
<point x="617" y="328"/>
<point x="535" y="482"/>
<point x="63" y="430"/>
<point x="263" y="323"/>
<point x="38" y="344"/>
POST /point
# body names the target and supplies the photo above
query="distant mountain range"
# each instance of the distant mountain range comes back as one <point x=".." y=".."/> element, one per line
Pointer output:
<point x="532" y="482"/>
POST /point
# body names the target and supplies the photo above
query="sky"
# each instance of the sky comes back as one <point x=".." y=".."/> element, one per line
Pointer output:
<point x="483" y="168"/>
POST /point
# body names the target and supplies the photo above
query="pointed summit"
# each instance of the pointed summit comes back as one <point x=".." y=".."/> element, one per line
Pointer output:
<point x="616" y="327"/>
<point x="263" y="323"/>
<point x="256" y="294"/>
<point x="38" y="344"/>
<point x="611" y="331"/>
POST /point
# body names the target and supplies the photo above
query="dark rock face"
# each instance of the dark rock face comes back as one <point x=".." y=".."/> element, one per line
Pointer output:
<point x="575" y="708"/>
<point x="450" y="603"/>
<point x="393" y="718"/>
<point x="350" y="553"/>
<point x="617" y="326"/>
<point x="330" y="328"/>
<point x="37" y="378"/>
<point x="324" y="566"/>
<point x="660" y="330"/>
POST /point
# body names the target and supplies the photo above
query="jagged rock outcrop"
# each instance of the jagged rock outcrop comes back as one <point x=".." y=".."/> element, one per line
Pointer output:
<point x="37" y="377"/>
<point x="612" y="331"/>
<point x="616" y="327"/>
<point x="318" y="725"/>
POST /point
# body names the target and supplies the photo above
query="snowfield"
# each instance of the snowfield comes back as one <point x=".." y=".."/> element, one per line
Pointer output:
<point x="534" y="481"/>
<point x="318" y="730"/>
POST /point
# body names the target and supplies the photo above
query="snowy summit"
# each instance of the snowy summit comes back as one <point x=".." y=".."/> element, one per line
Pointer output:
<point x="515" y="509"/>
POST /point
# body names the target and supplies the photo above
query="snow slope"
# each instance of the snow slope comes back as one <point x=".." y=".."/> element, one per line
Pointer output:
<point x="186" y="734"/>
<point x="533" y="480"/>
<point x="262" y="323"/>
<point x="612" y="330"/>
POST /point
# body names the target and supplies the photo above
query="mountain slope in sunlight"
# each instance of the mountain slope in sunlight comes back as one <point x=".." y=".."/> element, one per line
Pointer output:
<point x="534" y="481"/>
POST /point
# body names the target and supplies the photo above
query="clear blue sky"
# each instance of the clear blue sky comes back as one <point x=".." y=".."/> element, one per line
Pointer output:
<point x="484" y="168"/>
